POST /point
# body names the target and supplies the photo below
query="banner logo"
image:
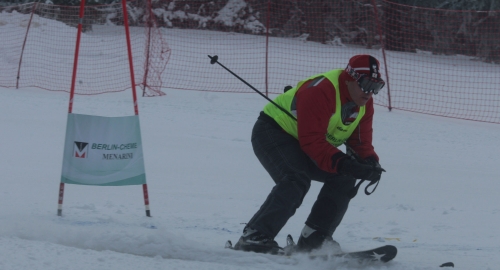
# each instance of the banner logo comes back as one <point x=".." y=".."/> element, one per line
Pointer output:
<point x="81" y="149"/>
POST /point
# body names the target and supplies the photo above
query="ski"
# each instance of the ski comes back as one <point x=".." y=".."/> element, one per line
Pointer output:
<point x="380" y="254"/>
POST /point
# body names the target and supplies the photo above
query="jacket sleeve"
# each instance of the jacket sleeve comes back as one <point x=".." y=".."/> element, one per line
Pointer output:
<point x="361" y="139"/>
<point x="315" y="106"/>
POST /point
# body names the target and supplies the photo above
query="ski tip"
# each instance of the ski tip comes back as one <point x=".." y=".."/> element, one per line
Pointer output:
<point x="390" y="253"/>
<point x="448" y="264"/>
<point x="382" y="254"/>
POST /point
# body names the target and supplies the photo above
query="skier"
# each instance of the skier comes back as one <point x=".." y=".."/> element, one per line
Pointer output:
<point x="330" y="109"/>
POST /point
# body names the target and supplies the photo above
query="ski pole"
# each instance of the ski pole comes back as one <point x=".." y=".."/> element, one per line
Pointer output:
<point x="214" y="59"/>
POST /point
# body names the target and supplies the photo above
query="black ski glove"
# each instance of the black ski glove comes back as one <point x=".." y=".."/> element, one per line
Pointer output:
<point x="370" y="172"/>
<point x="372" y="161"/>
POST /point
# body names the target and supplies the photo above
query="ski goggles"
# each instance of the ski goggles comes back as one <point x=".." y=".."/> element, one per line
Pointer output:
<point x="367" y="83"/>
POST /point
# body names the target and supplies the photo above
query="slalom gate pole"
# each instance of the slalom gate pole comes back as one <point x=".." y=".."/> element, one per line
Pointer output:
<point x="134" y="92"/>
<point x="72" y="91"/>
<point x="60" y="199"/>
<point x="214" y="59"/>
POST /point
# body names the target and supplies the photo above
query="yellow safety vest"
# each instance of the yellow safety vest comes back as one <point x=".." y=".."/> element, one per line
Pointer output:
<point x="337" y="133"/>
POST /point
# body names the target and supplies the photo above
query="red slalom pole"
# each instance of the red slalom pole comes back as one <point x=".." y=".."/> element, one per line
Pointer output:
<point x="60" y="201"/>
<point x="72" y="92"/>
<point x="134" y="94"/>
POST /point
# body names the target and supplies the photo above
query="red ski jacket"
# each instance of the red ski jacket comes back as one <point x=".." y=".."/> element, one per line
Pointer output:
<point x="315" y="106"/>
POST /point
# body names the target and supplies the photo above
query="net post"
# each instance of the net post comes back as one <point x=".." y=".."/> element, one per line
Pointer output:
<point x="380" y="34"/>
<point x="266" y="80"/>
<point x="146" y="199"/>
<point x="60" y="199"/>
<point x="149" y="25"/>
<point x="24" y="45"/>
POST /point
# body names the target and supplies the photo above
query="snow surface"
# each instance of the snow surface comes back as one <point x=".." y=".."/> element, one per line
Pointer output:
<point x="439" y="197"/>
<point x="438" y="201"/>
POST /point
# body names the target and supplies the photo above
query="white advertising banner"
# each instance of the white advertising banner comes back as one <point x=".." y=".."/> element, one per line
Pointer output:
<point x="103" y="151"/>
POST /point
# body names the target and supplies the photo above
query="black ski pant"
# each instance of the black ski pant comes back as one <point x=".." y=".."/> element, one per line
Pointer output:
<point x="292" y="171"/>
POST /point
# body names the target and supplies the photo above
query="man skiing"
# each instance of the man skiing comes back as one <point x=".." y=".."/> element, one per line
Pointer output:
<point x="330" y="109"/>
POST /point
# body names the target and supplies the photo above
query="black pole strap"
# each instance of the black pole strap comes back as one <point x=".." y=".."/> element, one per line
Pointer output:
<point x="374" y="188"/>
<point x="355" y="189"/>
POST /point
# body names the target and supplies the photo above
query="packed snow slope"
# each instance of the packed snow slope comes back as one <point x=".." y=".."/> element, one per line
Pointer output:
<point x="438" y="201"/>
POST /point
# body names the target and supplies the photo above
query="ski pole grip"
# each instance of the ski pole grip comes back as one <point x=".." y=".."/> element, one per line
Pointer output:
<point x="213" y="59"/>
